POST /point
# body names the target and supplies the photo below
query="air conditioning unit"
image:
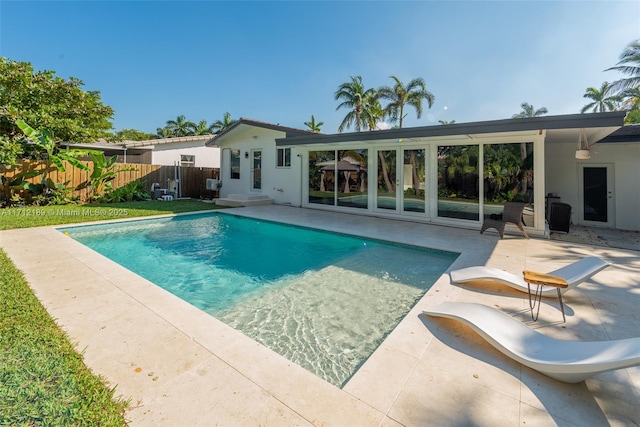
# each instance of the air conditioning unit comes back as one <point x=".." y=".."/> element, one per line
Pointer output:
<point x="212" y="184"/>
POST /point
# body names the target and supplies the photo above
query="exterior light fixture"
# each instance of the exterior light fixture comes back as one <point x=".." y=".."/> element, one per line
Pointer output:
<point x="583" y="153"/>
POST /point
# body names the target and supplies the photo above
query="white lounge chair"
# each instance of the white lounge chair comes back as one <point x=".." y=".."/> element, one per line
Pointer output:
<point x="567" y="361"/>
<point x="574" y="273"/>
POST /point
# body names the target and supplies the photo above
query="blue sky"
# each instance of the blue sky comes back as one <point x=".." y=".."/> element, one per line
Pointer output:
<point x="281" y="62"/>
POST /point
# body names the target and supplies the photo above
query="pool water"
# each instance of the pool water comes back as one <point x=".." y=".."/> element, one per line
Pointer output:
<point x="323" y="300"/>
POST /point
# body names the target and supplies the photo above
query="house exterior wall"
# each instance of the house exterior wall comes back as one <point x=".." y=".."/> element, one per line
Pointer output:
<point x="563" y="178"/>
<point x="283" y="185"/>
<point x="169" y="154"/>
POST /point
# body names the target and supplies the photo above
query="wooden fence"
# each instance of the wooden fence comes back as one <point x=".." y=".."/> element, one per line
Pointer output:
<point x="192" y="180"/>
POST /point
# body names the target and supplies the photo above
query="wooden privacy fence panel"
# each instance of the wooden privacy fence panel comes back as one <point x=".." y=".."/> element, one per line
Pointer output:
<point x="192" y="180"/>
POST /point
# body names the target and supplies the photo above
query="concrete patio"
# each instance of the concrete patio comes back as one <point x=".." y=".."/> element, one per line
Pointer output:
<point x="180" y="366"/>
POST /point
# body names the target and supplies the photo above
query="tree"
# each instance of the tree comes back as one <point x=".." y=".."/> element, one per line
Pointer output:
<point x="529" y="111"/>
<point x="631" y="103"/>
<point x="630" y="98"/>
<point x="372" y="111"/>
<point x="446" y="122"/>
<point x="49" y="102"/>
<point x="401" y="95"/>
<point x="202" y="128"/>
<point x="164" y="132"/>
<point x="601" y="99"/>
<point x="629" y="65"/>
<point x="134" y="135"/>
<point x="223" y="124"/>
<point x="353" y="96"/>
<point x="181" y="126"/>
<point x="313" y="125"/>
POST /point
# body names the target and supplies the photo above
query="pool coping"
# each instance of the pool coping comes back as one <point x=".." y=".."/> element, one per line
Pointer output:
<point x="181" y="366"/>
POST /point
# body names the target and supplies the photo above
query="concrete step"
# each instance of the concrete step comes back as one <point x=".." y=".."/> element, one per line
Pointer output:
<point x="237" y="200"/>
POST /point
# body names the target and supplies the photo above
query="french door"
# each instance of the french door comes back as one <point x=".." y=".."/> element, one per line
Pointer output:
<point x="401" y="180"/>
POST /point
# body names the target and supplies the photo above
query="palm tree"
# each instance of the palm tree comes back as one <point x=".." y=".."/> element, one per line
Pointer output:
<point x="399" y="95"/>
<point x="601" y="100"/>
<point x="313" y="125"/>
<point x="372" y="111"/>
<point x="529" y="111"/>
<point x="353" y="95"/>
<point x="181" y="126"/>
<point x="223" y="124"/>
<point x="202" y="128"/>
<point x="164" y="132"/>
<point x="446" y="122"/>
<point x="629" y="64"/>
<point x="630" y="98"/>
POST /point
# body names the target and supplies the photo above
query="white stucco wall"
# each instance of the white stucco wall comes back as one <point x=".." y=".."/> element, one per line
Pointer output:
<point x="169" y="154"/>
<point x="283" y="185"/>
<point x="563" y="172"/>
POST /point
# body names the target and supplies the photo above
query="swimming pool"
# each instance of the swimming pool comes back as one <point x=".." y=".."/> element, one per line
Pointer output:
<point x="324" y="301"/>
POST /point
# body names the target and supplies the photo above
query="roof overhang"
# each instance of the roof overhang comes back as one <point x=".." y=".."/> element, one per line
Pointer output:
<point x="564" y="128"/>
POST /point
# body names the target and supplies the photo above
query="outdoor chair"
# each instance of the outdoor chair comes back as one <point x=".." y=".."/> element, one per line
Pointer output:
<point x="574" y="273"/>
<point x="567" y="361"/>
<point x="512" y="213"/>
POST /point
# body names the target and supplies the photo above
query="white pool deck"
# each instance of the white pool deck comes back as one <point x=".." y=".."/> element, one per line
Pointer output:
<point x="181" y="367"/>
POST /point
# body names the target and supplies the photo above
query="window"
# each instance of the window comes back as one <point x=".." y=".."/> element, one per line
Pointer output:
<point x="235" y="164"/>
<point x="284" y="158"/>
<point x="339" y="183"/>
<point x="187" y="160"/>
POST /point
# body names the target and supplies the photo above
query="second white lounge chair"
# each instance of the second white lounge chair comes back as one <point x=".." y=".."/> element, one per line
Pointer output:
<point x="574" y="273"/>
<point x="567" y="361"/>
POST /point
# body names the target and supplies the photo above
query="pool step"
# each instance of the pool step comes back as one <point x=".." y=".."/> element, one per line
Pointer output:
<point x="236" y="200"/>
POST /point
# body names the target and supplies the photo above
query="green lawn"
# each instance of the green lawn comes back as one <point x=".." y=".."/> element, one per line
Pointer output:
<point x="43" y="380"/>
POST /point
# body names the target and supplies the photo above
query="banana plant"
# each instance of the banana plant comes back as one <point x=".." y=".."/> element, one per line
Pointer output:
<point x="43" y="138"/>
<point x="104" y="171"/>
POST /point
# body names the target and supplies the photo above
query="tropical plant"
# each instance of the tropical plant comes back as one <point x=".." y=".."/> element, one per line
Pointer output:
<point x="202" y="128"/>
<point x="49" y="102"/>
<point x="633" y="117"/>
<point x="355" y="98"/>
<point x="43" y="139"/>
<point x="164" y="132"/>
<point x="629" y="65"/>
<point x="372" y="111"/>
<point x="529" y="111"/>
<point x="446" y="122"/>
<point x="130" y="192"/>
<point x="601" y="99"/>
<point x="46" y="191"/>
<point x="399" y="95"/>
<point x="181" y="126"/>
<point x="313" y="125"/>
<point x="104" y="171"/>
<point x="221" y="125"/>
<point x="630" y="98"/>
